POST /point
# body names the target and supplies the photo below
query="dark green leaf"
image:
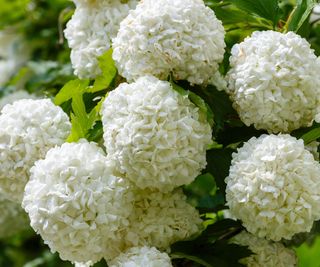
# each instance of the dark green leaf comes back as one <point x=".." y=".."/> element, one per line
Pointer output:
<point x="221" y="107"/>
<point x="212" y="247"/>
<point x="268" y="9"/>
<point x="95" y="134"/>
<point x="219" y="161"/>
<point x="202" y="193"/>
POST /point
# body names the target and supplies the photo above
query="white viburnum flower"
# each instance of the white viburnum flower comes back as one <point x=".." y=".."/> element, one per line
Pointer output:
<point x="142" y="256"/>
<point x="90" y="30"/>
<point x="219" y="81"/>
<point x="274" y="81"/>
<point x="315" y="15"/>
<point x="14" y="96"/>
<point x="273" y="187"/>
<point x="76" y="204"/>
<point x="83" y="264"/>
<point x="28" y="129"/>
<point x="161" y="219"/>
<point x="156" y="137"/>
<point x="13" y="218"/>
<point x="265" y="253"/>
<point x="182" y="37"/>
<point x="13" y="53"/>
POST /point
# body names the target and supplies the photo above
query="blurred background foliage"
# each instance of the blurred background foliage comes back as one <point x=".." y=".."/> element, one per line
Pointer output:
<point x="41" y="22"/>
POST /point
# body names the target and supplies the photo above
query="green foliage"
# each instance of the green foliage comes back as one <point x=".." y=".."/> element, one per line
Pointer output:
<point x="49" y="73"/>
<point x="262" y="8"/>
<point x="197" y="100"/>
<point x="300" y="14"/>
<point x="74" y="87"/>
<point x="12" y="11"/>
<point x="86" y="124"/>
<point x="109" y="72"/>
<point x="312" y="135"/>
<point x="212" y="248"/>
<point x="82" y="122"/>
<point x="202" y="193"/>
<point x="309" y="255"/>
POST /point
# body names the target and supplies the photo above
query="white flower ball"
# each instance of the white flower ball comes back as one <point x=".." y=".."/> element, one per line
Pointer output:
<point x="83" y="264"/>
<point x="315" y="15"/>
<point x="161" y="219"/>
<point x="142" y="256"/>
<point x="14" y="96"/>
<point x="274" y="187"/>
<point x="89" y="38"/>
<point x="219" y="81"/>
<point x="274" y="81"/>
<point x="156" y="137"/>
<point x="76" y="204"/>
<point x="28" y="129"/>
<point x="13" y="219"/>
<point x="182" y="37"/>
<point x="266" y="253"/>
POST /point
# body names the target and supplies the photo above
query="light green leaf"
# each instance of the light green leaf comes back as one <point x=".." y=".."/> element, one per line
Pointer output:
<point x="179" y="89"/>
<point x="81" y="121"/>
<point x="72" y="88"/>
<point x="311" y="136"/>
<point x="300" y="14"/>
<point x="109" y="71"/>
<point x="77" y="131"/>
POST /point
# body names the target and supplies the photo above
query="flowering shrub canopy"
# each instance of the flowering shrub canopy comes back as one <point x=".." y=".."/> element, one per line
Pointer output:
<point x="159" y="133"/>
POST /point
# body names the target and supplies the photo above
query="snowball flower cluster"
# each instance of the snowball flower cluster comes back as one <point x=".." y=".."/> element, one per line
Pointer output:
<point x="13" y="218"/>
<point x="90" y="30"/>
<point x="266" y="253"/>
<point x="76" y="204"/>
<point x="142" y="256"/>
<point x="29" y="128"/>
<point x="161" y="219"/>
<point x="274" y="187"/>
<point x="13" y="52"/>
<point x="182" y="37"/>
<point x="157" y="137"/>
<point x="274" y="81"/>
<point x="14" y="96"/>
<point x="315" y="15"/>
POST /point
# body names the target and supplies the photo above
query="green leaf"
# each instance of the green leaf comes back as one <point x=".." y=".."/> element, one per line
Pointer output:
<point x="313" y="135"/>
<point x="235" y="18"/>
<point x="219" y="161"/>
<point x="203" y="106"/>
<point x="109" y="71"/>
<point x="72" y="88"/>
<point x="268" y="9"/>
<point x="82" y="122"/>
<point x="197" y="100"/>
<point x="300" y="14"/>
<point x="201" y="193"/>
<point x="221" y="106"/>
<point x="212" y="247"/>
<point x="309" y="255"/>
